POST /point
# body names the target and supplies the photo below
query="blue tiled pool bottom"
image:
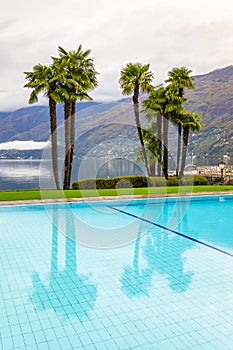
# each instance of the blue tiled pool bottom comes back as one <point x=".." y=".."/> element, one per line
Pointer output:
<point x="162" y="291"/>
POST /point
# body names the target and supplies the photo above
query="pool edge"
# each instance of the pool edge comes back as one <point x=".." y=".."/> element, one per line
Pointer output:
<point x="109" y="198"/>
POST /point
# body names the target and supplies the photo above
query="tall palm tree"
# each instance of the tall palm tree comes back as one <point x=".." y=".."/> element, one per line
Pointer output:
<point x="191" y="121"/>
<point x="164" y="102"/>
<point x="134" y="78"/>
<point x="43" y="79"/>
<point x="180" y="77"/>
<point x="77" y="77"/>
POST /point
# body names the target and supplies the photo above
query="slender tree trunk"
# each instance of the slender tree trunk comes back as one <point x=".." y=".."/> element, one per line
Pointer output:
<point x="178" y="149"/>
<point x="67" y="113"/>
<point x="73" y="115"/>
<point x="159" y="135"/>
<point x="152" y="168"/>
<point x="53" y="130"/>
<point x="138" y="124"/>
<point x="181" y="93"/>
<point x="184" y="150"/>
<point x="165" y="147"/>
<point x="72" y="139"/>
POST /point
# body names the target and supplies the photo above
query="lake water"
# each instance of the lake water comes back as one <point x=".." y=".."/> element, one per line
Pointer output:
<point x="32" y="174"/>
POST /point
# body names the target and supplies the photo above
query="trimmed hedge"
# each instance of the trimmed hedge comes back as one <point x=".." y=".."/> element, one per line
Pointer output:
<point x="157" y="181"/>
<point x="195" y="180"/>
<point x="137" y="181"/>
<point x="108" y="183"/>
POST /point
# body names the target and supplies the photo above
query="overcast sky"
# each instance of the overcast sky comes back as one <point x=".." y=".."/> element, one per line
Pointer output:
<point x="165" y="33"/>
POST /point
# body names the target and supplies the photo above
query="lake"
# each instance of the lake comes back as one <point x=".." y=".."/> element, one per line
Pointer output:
<point x="22" y="174"/>
<point x="32" y="174"/>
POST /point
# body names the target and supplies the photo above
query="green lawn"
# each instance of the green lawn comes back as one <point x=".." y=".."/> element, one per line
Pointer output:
<point x="53" y="194"/>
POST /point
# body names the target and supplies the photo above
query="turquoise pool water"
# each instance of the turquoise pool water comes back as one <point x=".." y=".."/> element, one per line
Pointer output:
<point x="144" y="274"/>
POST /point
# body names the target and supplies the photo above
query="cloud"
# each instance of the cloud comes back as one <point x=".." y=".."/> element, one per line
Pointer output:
<point x="23" y="145"/>
<point x="164" y="33"/>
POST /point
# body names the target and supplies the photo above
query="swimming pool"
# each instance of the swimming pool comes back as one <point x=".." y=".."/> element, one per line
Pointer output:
<point x="136" y="274"/>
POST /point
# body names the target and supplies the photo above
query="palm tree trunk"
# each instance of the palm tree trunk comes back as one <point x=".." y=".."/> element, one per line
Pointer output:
<point x="67" y="114"/>
<point x="152" y="167"/>
<point x="72" y="139"/>
<point x="178" y="150"/>
<point x="53" y="130"/>
<point x="165" y="147"/>
<point x="159" y="125"/>
<point x="184" y="150"/>
<point x="138" y="124"/>
<point x="181" y="93"/>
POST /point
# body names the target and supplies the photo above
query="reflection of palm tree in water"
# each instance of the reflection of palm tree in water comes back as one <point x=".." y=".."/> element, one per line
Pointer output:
<point x="135" y="282"/>
<point x="68" y="294"/>
<point x="164" y="254"/>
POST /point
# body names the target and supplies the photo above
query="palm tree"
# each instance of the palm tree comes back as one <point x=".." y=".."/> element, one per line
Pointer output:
<point x="77" y="77"/>
<point x="134" y="78"/>
<point x="191" y="121"/>
<point x="164" y="102"/>
<point x="43" y="79"/>
<point x="154" y="141"/>
<point x="152" y="145"/>
<point x="180" y="77"/>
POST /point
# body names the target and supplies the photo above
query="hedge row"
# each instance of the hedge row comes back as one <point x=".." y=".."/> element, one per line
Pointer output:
<point x="136" y="181"/>
<point x="196" y="180"/>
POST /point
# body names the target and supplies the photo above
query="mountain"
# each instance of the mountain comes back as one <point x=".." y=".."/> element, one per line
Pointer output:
<point x="213" y="99"/>
<point x="31" y="123"/>
<point x="97" y="123"/>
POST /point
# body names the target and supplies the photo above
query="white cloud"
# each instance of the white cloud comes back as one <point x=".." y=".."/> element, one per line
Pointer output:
<point x="24" y="145"/>
<point x="165" y="33"/>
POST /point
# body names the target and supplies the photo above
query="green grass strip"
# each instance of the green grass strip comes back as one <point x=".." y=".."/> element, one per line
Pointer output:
<point x="55" y="194"/>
